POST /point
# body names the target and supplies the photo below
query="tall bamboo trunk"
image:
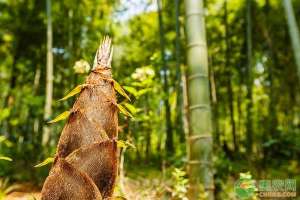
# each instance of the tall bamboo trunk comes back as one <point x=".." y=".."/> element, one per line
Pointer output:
<point x="215" y="108"/>
<point x="249" y="125"/>
<point x="200" y="138"/>
<point x="229" y="84"/>
<point x="293" y="30"/>
<point x="49" y="76"/>
<point x="169" y="131"/>
<point x="148" y="132"/>
<point x="185" y="108"/>
<point x="85" y="165"/>
<point x="270" y="127"/>
<point x="178" y="82"/>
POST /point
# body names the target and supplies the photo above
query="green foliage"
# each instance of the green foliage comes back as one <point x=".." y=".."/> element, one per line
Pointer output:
<point x="4" y="113"/>
<point x="6" y="188"/>
<point x="180" y="187"/>
<point x="7" y="143"/>
<point x="125" y="144"/>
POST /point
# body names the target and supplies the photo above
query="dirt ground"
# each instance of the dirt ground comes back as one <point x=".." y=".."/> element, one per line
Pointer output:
<point x="139" y="189"/>
<point x="23" y="196"/>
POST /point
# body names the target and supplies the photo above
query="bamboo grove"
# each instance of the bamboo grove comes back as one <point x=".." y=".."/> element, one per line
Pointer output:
<point x="214" y="89"/>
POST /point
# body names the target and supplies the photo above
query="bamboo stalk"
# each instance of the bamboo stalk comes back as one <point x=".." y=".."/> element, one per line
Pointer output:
<point x="200" y="128"/>
<point x="293" y="30"/>
<point x="49" y="76"/>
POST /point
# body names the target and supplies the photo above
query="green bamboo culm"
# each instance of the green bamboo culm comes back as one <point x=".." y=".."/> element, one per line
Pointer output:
<point x="293" y="30"/>
<point x="200" y="127"/>
<point x="249" y="79"/>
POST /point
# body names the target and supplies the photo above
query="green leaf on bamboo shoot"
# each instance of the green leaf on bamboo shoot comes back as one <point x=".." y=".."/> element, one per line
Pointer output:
<point x="130" y="145"/>
<point x="130" y="107"/>
<point x="60" y="117"/>
<point x="45" y="162"/>
<point x="5" y="158"/>
<point x="75" y="91"/>
<point x="120" y="90"/>
<point x="124" y="111"/>
<point x="125" y="144"/>
<point x="121" y="144"/>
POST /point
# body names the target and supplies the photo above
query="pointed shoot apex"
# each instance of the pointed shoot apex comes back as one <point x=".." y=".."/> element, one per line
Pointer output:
<point x="103" y="55"/>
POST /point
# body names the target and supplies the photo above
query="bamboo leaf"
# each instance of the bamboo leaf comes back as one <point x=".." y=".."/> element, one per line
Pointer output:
<point x="130" y="145"/>
<point x="75" y="91"/>
<point x="125" y="144"/>
<point x="5" y="158"/>
<point x="131" y="90"/>
<point x="45" y="162"/>
<point x="143" y="91"/>
<point x="60" y="117"/>
<point x="130" y="107"/>
<point x="124" y="111"/>
<point x="120" y="90"/>
<point x="121" y="144"/>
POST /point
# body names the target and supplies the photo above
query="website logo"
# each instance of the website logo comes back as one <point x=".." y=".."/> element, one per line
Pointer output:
<point x="247" y="188"/>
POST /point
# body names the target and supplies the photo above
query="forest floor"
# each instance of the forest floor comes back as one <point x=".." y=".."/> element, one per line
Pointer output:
<point x="136" y="188"/>
<point x="150" y="183"/>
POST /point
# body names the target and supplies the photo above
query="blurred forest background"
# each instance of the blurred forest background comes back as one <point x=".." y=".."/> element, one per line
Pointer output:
<point x="254" y="87"/>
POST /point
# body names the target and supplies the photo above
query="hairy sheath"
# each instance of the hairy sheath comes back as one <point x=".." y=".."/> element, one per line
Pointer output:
<point x="85" y="165"/>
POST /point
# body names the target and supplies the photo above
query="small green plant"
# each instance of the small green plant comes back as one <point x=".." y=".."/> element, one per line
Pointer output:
<point x="179" y="189"/>
<point x="6" y="188"/>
